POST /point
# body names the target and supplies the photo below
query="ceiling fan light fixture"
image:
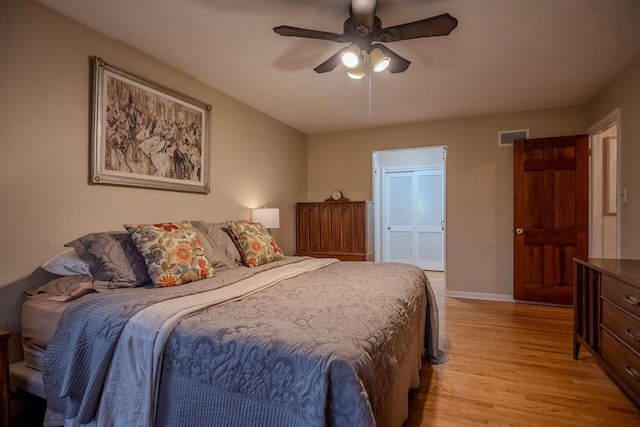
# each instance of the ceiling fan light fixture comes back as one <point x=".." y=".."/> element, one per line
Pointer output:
<point x="379" y="61"/>
<point x="364" y="32"/>
<point x="350" y="57"/>
<point x="357" y="72"/>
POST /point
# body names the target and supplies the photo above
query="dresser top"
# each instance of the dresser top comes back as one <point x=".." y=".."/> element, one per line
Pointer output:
<point x="626" y="270"/>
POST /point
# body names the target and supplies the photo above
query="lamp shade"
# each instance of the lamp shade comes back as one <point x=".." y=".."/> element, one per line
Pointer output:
<point x="269" y="217"/>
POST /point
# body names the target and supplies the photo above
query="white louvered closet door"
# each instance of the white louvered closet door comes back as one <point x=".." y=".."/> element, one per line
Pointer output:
<point x="430" y="220"/>
<point x="414" y="215"/>
<point x="399" y="218"/>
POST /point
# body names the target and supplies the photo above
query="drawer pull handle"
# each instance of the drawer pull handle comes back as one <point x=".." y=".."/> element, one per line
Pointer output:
<point x="634" y="374"/>
<point x="633" y="334"/>
<point x="632" y="300"/>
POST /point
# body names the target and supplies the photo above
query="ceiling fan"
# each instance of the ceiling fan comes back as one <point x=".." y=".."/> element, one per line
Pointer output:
<point x="363" y="30"/>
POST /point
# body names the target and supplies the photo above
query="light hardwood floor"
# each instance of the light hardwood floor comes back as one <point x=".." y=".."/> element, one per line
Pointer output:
<point x="511" y="365"/>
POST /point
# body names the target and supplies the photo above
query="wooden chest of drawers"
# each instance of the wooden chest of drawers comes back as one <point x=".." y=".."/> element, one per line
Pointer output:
<point x="342" y="230"/>
<point x="4" y="378"/>
<point x="607" y="317"/>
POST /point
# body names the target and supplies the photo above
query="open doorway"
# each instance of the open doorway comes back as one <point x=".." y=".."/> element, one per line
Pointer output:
<point x="605" y="195"/>
<point x="409" y="195"/>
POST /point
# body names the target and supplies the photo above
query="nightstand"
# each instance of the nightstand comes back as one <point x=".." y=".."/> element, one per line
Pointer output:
<point x="4" y="378"/>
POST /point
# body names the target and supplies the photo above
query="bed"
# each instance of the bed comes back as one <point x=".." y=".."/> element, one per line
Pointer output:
<point x="287" y="341"/>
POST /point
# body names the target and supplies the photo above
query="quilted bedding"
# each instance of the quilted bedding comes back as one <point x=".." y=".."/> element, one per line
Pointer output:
<point x="322" y="347"/>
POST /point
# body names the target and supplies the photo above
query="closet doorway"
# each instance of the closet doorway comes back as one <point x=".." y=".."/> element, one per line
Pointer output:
<point x="409" y="195"/>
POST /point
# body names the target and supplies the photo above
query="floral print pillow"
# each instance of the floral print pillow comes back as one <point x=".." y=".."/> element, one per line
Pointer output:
<point x="172" y="252"/>
<point x="254" y="242"/>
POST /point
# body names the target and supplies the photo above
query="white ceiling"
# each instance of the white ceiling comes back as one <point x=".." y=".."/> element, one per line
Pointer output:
<point x="505" y="55"/>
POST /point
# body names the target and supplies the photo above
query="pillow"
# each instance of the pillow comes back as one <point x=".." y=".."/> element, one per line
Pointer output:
<point x="112" y="257"/>
<point x="217" y="243"/>
<point x="172" y="252"/>
<point x="64" y="288"/>
<point x="254" y="242"/>
<point x="67" y="263"/>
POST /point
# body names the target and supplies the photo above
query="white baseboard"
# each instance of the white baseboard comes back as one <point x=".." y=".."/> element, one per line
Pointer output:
<point x="476" y="295"/>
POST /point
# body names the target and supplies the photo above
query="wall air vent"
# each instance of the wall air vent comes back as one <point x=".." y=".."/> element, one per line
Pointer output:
<point x="506" y="137"/>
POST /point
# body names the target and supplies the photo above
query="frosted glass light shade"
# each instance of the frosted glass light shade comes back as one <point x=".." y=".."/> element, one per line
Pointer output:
<point x="269" y="217"/>
<point x="350" y="57"/>
<point x="357" y="73"/>
<point x="379" y="61"/>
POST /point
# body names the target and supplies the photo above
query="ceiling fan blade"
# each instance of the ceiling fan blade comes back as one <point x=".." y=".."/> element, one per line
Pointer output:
<point x="285" y="30"/>
<point x="329" y="64"/>
<point x="397" y="64"/>
<point x="440" y="25"/>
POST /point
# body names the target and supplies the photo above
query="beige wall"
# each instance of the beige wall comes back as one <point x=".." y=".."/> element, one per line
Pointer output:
<point x="624" y="93"/>
<point x="45" y="139"/>
<point x="479" y="243"/>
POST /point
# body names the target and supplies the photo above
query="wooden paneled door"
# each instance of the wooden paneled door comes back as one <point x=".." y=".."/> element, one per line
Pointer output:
<point x="551" y="212"/>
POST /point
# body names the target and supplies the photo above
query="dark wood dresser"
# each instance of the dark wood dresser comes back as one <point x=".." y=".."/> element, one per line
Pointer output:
<point x="335" y="229"/>
<point x="607" y="317"/>
<point x="4" y="378"/>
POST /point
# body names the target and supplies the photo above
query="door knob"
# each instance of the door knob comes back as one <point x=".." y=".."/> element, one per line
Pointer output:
<point x="519" y="231"/>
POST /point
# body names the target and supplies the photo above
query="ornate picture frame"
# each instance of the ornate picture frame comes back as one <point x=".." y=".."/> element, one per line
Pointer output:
<point x="147" y="135"/>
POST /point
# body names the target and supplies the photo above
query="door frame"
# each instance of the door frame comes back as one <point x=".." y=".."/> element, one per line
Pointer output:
<point x="595" y="233"/>
<point x="378" y="182"/>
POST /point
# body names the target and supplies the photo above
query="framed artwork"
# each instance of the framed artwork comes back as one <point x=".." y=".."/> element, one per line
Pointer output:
<point x="147" y="135"/>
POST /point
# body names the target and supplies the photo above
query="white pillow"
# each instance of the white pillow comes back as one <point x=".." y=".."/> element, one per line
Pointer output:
<point x="67" y="263"/>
